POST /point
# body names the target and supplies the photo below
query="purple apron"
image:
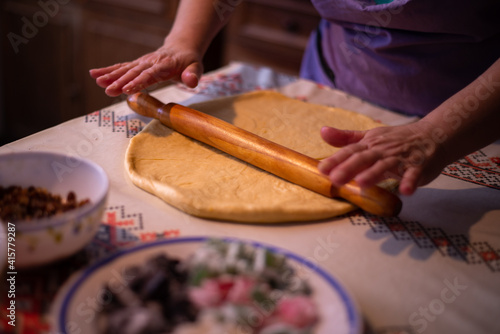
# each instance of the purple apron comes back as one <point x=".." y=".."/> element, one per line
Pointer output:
<point x="406" y="55"/>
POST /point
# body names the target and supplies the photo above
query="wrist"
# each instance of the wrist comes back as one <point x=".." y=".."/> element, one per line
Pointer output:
<point x="430" y="150"/>
<point x="185" y="43"/>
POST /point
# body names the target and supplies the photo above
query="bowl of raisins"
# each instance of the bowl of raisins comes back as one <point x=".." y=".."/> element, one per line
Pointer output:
<point x="51" y="205"/>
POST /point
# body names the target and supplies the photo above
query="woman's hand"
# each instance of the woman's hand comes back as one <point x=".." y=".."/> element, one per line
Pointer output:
<point x="172" y="61"/>
<point x="416" y="153"/>
<point x="180" y="58"/>
<point x="403" y="152"/>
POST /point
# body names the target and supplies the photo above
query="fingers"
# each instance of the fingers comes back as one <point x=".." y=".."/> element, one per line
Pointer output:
<point x="410" y="181"/>
<point x="352" y="161"/>
<point x="108" y="76"/>
<point x="147" y="78"/>
<point x="339" y="138"/>
<point x="336" y="137"/>
<point x="327" y="165"/>
<point x="368" y="167"/>
<point x="132" y="77"/>
<point x="97" y="72"/>
<point x="191" y="75"/>
<point x="122" y="77"/>
<point x="369" y="157"/>
<point x="382" y="169"/>
<point x="161" y="72"/>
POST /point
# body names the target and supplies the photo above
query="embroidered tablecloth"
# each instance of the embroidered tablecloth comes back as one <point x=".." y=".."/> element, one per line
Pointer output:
<point x="433" y="269"/>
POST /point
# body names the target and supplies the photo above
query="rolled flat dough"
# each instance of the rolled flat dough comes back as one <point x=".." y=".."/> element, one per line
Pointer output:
<point x="205" y="182"/>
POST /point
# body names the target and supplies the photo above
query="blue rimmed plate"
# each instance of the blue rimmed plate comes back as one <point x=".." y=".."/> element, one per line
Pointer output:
<point x="82" y="296"/>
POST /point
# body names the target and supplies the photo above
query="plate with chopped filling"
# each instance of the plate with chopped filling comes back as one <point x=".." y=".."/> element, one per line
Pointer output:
<point x="207" y="286"/>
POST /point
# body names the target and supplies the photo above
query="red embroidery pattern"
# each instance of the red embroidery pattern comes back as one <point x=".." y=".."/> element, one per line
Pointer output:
<point x="456" y="246"/>
<point x="476" y="168"/>
<point x="37" y="288"/>
<point x="120" y="229"/>
<point x="130" y="124"/>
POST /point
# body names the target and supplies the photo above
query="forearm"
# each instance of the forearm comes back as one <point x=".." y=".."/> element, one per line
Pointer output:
<point x="179" y="58"/>
<point x="416" y="153"/>
<point x="197" y="22"/>
<point x="469" y="120"/>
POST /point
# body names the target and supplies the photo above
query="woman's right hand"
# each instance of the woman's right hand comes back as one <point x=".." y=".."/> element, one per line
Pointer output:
<point x="172" y="61"/>
<point x="180" y="58"/>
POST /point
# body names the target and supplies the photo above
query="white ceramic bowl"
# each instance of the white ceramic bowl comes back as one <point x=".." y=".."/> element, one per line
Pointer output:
<point x="41" y="241"/>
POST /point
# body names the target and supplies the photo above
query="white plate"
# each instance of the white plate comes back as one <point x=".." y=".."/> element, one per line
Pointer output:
<point x="78" y="302"/>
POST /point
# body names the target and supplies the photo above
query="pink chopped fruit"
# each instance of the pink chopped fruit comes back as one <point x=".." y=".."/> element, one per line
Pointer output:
<point x="299" y="311"/>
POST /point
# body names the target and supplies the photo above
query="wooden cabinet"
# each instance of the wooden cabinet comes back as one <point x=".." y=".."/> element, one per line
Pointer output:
<point x="271" y="32"/>
<point x="39" y="81"/>
<point x="114" y="31"/>
<point x="45" y="78"/>
<point x="52" y="44"/>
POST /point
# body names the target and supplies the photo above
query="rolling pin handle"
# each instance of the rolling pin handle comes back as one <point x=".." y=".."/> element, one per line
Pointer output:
<point x="374" y="200"/>
<point x="146" y="105"/>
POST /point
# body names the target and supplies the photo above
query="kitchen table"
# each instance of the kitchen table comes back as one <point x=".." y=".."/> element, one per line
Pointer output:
<point x="433" y="269"/>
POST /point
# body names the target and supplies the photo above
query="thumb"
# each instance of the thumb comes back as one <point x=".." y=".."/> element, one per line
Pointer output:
<point x="339" y="138"/>
<point x="191" y="75"/>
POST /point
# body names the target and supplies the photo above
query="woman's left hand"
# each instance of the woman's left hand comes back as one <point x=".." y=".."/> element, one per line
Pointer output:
<point x="402" y="152"/>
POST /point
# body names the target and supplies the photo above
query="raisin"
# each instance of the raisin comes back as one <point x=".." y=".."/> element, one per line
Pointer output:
<point x="18" y="203"/>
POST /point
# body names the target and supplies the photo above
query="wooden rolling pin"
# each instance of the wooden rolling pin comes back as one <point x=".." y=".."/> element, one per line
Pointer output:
<point x="274" y="158"/>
